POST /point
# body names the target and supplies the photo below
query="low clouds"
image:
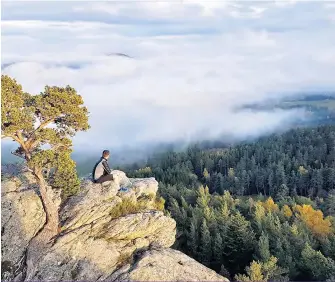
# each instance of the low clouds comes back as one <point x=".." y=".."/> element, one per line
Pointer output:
<point x="191" y="64"/>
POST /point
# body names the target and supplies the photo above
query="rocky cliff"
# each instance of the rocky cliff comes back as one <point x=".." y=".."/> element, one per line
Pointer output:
<point x="106" y="234"/>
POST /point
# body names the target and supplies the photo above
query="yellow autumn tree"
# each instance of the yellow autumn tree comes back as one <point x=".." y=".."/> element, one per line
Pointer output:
<point x="231" y="172"/>
<point x="294" y="230"/>
<point x="203" y="200"/>
<point x="261" y="271"/>
<point x="254" y="273"/>
<point x="314" y="220"/>
<point x="302" y="170"/>
<point x="270" y="206"/>
<point x="259" y="212"/>
<point x="205" y="173"/>
<point x="286" y="211"/>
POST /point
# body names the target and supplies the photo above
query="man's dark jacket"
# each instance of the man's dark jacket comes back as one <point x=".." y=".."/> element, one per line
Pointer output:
<point x="100" y="169"/>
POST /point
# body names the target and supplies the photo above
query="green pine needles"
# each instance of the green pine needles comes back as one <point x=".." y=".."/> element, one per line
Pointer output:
<point x="43" y="126"/>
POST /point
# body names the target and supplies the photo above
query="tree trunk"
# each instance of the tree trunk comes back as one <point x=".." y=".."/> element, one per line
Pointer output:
<point x="38" y="246"/>
<point x="50" y="203"/>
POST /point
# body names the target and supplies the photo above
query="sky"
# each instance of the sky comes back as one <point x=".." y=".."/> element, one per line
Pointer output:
<point x="188" y="64"/>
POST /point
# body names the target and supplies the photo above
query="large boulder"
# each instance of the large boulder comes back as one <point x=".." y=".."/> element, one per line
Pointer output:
<point x="93" y="201"/>
<point x="165" y="265"/>
<point x="22" y="216"/>
<point x="103" y="246"/>
<point x="144" y="186"/>
<point x="104" y="229"/>
<point x="120" y="178"/>
<point x="96" y="200"/>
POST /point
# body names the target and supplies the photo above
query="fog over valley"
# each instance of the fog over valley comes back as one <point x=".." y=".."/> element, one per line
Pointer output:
<point x="167" y="72"/>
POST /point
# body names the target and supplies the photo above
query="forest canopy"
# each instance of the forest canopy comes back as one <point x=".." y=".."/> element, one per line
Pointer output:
<point x="257" y="211"/>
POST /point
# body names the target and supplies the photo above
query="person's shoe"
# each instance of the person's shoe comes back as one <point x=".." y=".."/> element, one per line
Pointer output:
<point x="123" y="189"/>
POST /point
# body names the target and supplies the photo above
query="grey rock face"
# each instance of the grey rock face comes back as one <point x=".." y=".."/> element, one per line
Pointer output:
<point x="103" y="245"/>
<point x="144" y="186"/>
<point x="22" y="216"/>
<point x="93" y="201"/>
<point x="102" y="231"/>
<point x="165" y="265"/>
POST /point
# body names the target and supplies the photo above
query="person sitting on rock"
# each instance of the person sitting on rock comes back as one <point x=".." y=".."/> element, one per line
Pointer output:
<point x="101" y="171"/>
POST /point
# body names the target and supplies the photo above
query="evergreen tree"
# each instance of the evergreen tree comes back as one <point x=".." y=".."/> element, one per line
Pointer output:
<point x="206" y="177"/>
<point x="205" y="248"/>
<point x="329" y="204"/>
<point x="43" y="125"/>
<point x="224" y="272"/>
<point x="272" y="168"/>
<point x="217" y="248"/>
<point x="262" y="250"/>
<point x="193" y="239"/>
<point x="203" y="197"/>
<point x="316" y="264"/>
<point x="240" y="242"/>
<point x="263" y="271"/>
<point x="282" y="192"/>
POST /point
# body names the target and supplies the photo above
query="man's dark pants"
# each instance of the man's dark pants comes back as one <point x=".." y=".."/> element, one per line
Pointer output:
<point x="104" y="178"/>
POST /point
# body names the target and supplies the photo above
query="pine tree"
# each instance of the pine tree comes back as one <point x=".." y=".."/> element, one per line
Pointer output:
<point x="259" y="215"/>
<point x="203" y="197"/>
<point x="329" y="204"/>
<point x="176" y="212"/>
<point x="218" y="248"/>
<point x="271" y="184"/>
<point x="239" y="243"/>
<point x="328" y="247"/>
<point x="205" y="248"/>
<point x="254" y="273"/>
<point x="315" y="183"/>
<point x="282" y="192"/>
<point x="218" y="185"/>
<point x="263" y="248"/>
<point x="43" y="125"/>
<point x="316" y="264"/>
<point x="262" y="271"/>
<point x="184" y="203"/>
<point x="280" y="175"/>
<point x="193" y="239"/>
<point x="224" y="272"/>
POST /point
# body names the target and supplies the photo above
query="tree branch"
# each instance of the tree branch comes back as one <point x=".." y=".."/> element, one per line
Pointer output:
<point x="59" y="145"/>
<point x="32" y="144"/>
<point x="30" y="140"/>
<point x="18" y="155"/>
<point x="42" y="125"/>
<point x="14" y="137"/>
<point x="22" y="142"/>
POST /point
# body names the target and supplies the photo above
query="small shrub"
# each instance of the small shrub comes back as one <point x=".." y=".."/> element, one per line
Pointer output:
<point x="127" y="206"/>
<point x="159" y="203"/>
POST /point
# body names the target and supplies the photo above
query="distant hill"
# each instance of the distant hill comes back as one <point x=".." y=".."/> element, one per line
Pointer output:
<point x="320" y="107"/>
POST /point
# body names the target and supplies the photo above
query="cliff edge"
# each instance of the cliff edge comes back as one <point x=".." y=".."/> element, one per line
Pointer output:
<point x="106" y="234"/>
